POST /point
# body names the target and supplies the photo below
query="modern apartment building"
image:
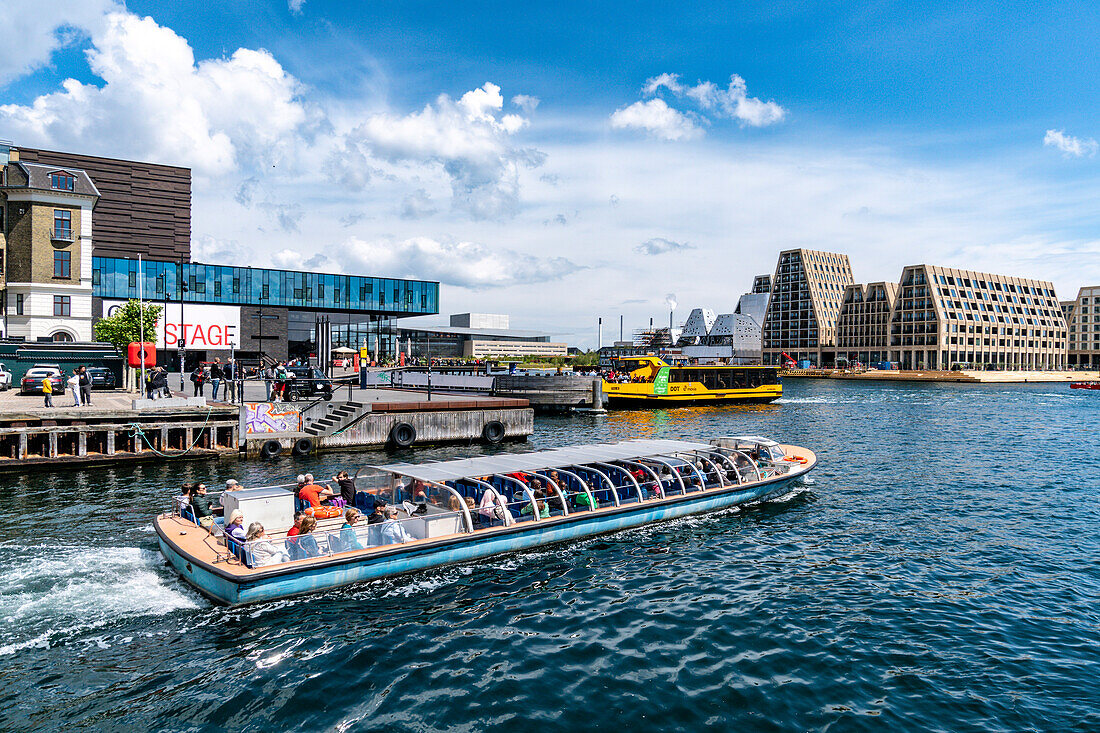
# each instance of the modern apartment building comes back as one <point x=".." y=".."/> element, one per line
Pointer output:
<point x="863" y="326"/>
<point x="762" y="284"/>
<point x="1084" y="328"/>
<point x="806" y="294"/>
<point x="944" y="317"/>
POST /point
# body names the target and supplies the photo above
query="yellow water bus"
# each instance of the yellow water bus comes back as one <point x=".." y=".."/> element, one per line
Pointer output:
<point x="647" y="381"/>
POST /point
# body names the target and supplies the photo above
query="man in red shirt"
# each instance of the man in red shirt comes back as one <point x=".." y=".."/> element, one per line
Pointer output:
<point x="314" y="494"/>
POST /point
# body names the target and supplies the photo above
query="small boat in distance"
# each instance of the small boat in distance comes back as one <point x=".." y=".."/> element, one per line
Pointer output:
<point x="650" y="381"/>
<point x="1084" y="385"/>
<point x="463" y="510"/>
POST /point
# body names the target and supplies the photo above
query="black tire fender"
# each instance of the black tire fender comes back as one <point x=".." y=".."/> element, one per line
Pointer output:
<point x="302" y="447"/>
<point x="402" y="435"/>
<point x="271" y="449"/>
<point x="493" y="432"/>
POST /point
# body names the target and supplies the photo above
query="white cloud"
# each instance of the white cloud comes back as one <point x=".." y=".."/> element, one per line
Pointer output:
<point x="526" y="102"/>
<point x="295" y="6"/>
<point x="660" y="245"/>
<point x="468" y="139"/>
<point x="215" y="116"/>
<point x="290" y="259"/>
<point x="1071" y="147"/>
<point x="656" y="118"/>
<point x="205" y="248"/>
<point x="732" y="102"/>
<point x="463" y="264"/>
<point x="418" y="205"/>
<point x="31" y="32"/>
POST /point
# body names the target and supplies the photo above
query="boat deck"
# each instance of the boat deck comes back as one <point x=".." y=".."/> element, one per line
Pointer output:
<point x="197" y="545"/>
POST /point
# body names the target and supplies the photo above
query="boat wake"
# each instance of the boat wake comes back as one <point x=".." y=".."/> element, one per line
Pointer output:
<point x="53" y="594"/>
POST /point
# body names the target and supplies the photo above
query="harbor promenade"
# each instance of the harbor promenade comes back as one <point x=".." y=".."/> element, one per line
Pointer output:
<point x="972" y="376"/>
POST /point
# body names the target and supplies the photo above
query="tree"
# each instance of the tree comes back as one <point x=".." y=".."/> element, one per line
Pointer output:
<point x="125" y="326"/>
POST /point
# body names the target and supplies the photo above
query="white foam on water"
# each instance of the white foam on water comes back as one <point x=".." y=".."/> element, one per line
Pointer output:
<point x="52" y="593"/>
<point x="806" y="401"/>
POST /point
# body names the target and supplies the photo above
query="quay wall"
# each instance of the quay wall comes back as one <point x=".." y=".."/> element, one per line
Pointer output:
<point x="972" y="377"/>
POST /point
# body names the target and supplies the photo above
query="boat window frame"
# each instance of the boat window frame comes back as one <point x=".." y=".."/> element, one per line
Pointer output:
<point x="461" y="503"/>
<point x="721" y="478"/>
<point x="637" y="486"/>
<point x="605" y="477"/>
<point x="506" y="516"/>
<point x="656" y="479"/>
<point x="554" y="486"/>
<point x="672" y="469"/>
<point x="527" y="491"/>
<point x="731" y="464"/>
<point x="587" y="489"/>
<point x="747" y="457"/>
<point x="702" y="478"/>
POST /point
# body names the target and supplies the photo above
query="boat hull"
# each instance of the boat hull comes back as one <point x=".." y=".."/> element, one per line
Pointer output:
<point x="341" y="570"/>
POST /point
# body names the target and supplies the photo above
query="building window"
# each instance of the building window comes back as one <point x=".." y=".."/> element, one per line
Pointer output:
<point x="96" y="277"/>
<point x="133" y="279"/>
<point x="217" y="288"/>
<point x="160" y="284"/>
<point x="297" y="293"/>
<point x="62" y="305"/>
<point x="62" y="181"/>
<point x="62" y="336"/>
<point x="19" y="304"/>
<point x="336" y="294"/>
<point x="62" y="262"/>
<point x="266" y="292"/>
<point x="62" y="224"/>
<point x="236" y="285"/>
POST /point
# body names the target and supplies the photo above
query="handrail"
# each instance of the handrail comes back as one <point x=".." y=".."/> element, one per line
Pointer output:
<point x="657" y="481"/>
<point x="554" y="486"/>
<point x="605" y="477"/>
<point x="587" y="490"/>
<point x="698" y="473"/>
<point x="506" y="516"/>
<point x="731" y="464"/>
<point x="526" y="490"/>
<point x="746" y="457"/>
<point x="721" y="478"/>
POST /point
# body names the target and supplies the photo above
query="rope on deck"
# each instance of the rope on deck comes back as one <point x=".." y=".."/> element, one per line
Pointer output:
<point x="136" y="431"/>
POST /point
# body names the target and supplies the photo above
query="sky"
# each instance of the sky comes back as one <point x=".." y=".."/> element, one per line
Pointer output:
<point x="569" y="161"/>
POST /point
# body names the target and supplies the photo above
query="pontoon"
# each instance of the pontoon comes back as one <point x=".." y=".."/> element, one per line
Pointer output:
<point x="463" y="510"/>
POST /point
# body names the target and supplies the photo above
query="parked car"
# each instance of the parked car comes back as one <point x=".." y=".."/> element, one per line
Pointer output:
<point x="5" y="378"/>
<point x="308" y="382"/>
<point x="102" y="377"/>
<point x="32" y="380"/>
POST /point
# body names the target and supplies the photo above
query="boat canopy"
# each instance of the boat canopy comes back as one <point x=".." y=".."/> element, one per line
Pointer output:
<point x="525" y="462"/>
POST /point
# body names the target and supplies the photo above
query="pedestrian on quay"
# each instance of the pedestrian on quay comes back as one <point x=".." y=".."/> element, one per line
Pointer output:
<point x="47" y="391"/>
<point x="215" y="377"/>
<point x="198" y="379"/>
<point x="85" y="387"/>
<point x="230" y="373"/>
<point x="74" y="388"/>
<point x="269" y="381"/>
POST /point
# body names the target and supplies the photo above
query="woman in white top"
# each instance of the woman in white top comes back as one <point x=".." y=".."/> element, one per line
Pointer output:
<point x="264" y="551"/>
<point x="74" y="388"/>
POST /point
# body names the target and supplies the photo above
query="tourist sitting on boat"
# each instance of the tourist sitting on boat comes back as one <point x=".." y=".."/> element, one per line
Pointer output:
<point x="376" y="516"/>
<point x="393" y="533"/>
<point x="306" y="542"/>
<point x="473" y="511"/>
<point x="455" y="505"/>
<point x="183" y="501"/>
<point x="348" y="538"/>
<point x="314" y="494"/>
<point x="544" y="508"/>
<point x="347" y="487"/>
<point x="234" y="526"/>
<point x="264" y="552"/>
<point x="202" y="506"/>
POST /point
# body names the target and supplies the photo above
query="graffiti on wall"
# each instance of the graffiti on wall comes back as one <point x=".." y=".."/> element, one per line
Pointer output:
<point x="271" y="417"/>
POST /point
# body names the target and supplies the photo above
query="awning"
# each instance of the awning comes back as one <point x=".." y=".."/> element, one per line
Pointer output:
<point x="555" y="458"/>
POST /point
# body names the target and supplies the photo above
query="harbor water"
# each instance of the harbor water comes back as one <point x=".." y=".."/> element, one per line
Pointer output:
<point x="941" y="571"/>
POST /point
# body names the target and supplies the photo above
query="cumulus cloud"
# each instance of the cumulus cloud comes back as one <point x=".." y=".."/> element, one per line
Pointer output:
<point x="418" y="205"/>
<point x="712" y="102"/>
<point x="31" y="32"/>
<point x="292" y="259"/>
<point x="215" y="116"/>
<point x="1071" y="147"/>
<point x="469" y="139"/>
<point x="295" y="6"/>
<point x="464" y="264"/>
<point x="656" y="118"/>
<point x="207" y="248"/>
<point x="659" y="246"/>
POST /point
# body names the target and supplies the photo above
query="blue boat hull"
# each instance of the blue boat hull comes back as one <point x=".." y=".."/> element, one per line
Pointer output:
<point x="282" y="581"/>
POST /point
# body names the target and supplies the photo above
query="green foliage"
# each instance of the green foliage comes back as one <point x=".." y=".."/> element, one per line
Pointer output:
<point x="124" y="327"/>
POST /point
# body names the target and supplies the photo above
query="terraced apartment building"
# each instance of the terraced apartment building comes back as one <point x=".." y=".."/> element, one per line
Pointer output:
<point x="945" y="317"/>
<point x="806" y="294"/>
<point x="863" y="326"/>
<point x="1083" y="319"/>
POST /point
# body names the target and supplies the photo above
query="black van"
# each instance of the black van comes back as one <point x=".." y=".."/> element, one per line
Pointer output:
<point x="308" y="382"/>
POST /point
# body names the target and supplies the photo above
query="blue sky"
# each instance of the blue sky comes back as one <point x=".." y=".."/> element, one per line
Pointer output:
<point x="588" y="158"/>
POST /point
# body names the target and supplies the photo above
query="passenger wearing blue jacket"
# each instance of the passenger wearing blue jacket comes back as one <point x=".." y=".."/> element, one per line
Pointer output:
<point x="393" y="533"/>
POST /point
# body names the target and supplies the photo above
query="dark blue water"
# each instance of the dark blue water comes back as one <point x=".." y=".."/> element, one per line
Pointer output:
<point x="942" y="572"/>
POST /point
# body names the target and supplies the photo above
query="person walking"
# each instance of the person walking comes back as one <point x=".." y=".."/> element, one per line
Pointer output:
<point x="269" y="380"/>
<point x="85" y="387"/>
<point x="216" y="377"/>
<point x="47" y="391"/>
<point x="198" y="379"/>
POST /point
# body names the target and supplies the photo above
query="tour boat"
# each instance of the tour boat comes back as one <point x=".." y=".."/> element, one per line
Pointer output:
<point x="519" y="501"/>
<point x="647" y="381"/>
<point x="1084" y="385"/>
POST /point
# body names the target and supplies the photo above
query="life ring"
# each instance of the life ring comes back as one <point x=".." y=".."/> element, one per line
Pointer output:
<point x="302" y="447"/>
<point x="271" y="449"/>
<point x="493" y="432"/>
<point x="323" y="512"/>
<point x="402" y="435"/>
<point x="797" y="459"/>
